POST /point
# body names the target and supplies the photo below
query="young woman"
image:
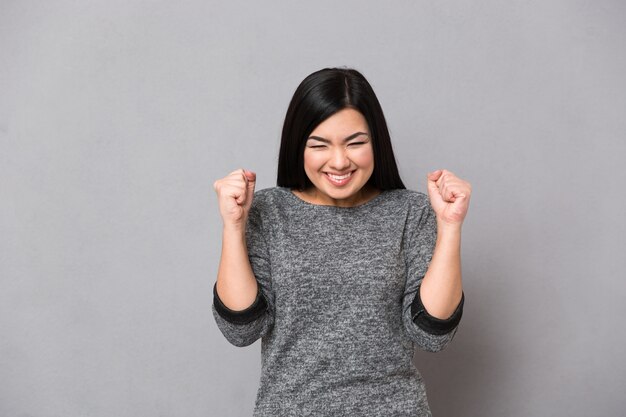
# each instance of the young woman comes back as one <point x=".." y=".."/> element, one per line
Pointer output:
<point x="339" y="269"/>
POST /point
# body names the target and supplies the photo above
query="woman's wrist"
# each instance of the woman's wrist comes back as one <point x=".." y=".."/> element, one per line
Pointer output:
<point x="236" y="229"/>
<point x="448" y="228"/>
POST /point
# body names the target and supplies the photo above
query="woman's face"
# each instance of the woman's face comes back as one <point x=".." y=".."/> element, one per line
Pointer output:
<point x="340" y="145"/>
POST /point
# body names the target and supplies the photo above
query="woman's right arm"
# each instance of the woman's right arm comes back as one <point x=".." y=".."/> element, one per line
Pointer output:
<point x="243" y="302"/>
<point x="236" y="285"/>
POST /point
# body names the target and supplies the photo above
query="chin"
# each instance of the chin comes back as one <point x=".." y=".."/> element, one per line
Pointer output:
<point x="342" y="193"/>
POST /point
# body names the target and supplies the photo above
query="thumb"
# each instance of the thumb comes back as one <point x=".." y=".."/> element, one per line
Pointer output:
<point x="434" y="175"/>
<point x="433" y="188"/>
<point x="251" y="184"/>
<point x="251" y="176"/>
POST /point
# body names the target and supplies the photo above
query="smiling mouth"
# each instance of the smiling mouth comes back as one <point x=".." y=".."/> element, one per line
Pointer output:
<point x="339" y="179"/>
<point x="339" y="176"/>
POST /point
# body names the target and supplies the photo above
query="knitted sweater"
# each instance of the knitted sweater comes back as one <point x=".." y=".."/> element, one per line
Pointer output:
<point x="338" y="308"/>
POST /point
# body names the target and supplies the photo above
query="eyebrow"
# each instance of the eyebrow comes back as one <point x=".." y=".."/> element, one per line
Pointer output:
<point x="352" y="136"/>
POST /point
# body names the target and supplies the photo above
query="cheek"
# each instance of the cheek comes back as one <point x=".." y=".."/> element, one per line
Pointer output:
<point x="312" y="162"/>
<point x="363" y="156"/>
<point x="313" y="159"/>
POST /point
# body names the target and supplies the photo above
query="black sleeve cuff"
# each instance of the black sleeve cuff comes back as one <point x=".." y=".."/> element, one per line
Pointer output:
<point x="432" y="324"/>
<point x="256" y="310"/>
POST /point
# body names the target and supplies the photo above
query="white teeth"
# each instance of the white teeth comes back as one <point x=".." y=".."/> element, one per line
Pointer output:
<point x="343" y="177"/>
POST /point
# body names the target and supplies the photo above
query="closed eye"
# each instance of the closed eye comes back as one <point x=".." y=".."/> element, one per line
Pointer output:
<point x="323" y="146"/>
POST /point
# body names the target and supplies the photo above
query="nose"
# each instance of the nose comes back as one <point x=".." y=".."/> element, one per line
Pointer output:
<point x="339" y="160"/>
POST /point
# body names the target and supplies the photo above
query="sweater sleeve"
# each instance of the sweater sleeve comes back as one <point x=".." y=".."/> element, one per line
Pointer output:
<point x="243" y="327"/>
<point x="420" y="236"/>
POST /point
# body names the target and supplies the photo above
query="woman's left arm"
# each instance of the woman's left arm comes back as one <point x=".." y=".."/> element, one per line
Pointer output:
<point x="441" y="289"/>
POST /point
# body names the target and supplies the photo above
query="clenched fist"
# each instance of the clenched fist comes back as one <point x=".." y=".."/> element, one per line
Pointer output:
<point x="235" y="193"/>
<point x="449" y="196"/>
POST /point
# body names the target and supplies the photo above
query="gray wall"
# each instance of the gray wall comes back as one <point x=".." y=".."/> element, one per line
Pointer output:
<point x="116" y="117"/>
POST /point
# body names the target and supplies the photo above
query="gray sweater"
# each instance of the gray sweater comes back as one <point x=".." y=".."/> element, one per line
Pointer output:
<point x="338" y="309"/>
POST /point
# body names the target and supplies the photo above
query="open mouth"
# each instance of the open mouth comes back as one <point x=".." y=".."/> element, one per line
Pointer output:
<point x="339" y="179"/>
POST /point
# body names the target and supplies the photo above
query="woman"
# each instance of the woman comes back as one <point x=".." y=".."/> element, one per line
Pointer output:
<point x="339" y="269"/>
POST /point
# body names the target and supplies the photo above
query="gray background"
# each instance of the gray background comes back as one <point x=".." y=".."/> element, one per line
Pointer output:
<point x="116" y="118"/>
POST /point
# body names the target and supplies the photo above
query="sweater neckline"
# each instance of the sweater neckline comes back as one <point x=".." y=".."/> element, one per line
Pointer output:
<point x="302" y="202"/>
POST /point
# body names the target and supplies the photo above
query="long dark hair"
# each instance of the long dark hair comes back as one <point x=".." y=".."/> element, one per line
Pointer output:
<point x="319" y="96"/>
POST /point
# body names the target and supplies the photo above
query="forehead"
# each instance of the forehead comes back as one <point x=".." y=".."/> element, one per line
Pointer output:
<point x="344" y="122"/>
